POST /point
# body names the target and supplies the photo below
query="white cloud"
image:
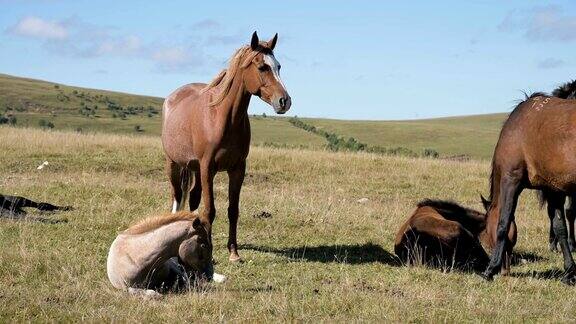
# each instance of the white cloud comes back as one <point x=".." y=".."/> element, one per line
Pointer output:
<point x="75" y="38"/>
<point x="548" y="23"/>
<point x="206" y="24"/>
<point x="550" y="63"/>
<point x="178" y="58"/>
<point x="126" y="46"/>
<point x="36" y="27"/>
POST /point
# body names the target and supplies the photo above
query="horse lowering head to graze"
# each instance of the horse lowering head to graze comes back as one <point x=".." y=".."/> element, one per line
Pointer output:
<point x="206" y="129"/>
<point x="442" y="234"/>
<point x="161" y="254"/>
<point x="565" y="91"/>
<point x="536" y="150"/>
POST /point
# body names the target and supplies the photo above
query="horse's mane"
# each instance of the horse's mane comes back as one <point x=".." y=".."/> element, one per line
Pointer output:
<point x="152" y="223"/>
<point x="471" y="219"/>
<point x="241" y="59"/>
<point x="566" y="91"/>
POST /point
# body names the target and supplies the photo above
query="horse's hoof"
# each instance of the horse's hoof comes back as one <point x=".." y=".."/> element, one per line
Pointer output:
<point x="554" y="247"/>
<point x="569" y="279"/>
<point x="235" y="258"/>
<point x="486" y="276"/>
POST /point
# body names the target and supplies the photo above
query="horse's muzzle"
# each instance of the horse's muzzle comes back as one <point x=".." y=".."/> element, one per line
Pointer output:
<point x="282" y="104"/>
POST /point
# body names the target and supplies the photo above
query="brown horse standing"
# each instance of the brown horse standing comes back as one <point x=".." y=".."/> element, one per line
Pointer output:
<point x="565" y="91"/>
<point x="536" y="150"/>
<point x="206" y="129"/>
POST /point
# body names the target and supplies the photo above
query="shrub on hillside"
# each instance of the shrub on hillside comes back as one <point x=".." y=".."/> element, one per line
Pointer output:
<point x="431" y="153"/>
<point x="45" y="124"/>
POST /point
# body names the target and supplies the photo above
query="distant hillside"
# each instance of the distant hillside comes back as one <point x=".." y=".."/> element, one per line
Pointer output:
<point x="35" y="103"/>
<point x="474" y="136"/>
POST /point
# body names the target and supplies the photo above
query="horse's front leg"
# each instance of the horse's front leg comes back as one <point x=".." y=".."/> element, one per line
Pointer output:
<point x="236" y="178"/>
<point x="509" y="191"/>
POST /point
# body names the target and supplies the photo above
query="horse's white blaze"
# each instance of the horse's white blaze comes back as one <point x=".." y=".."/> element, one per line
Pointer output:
<point x="274" y="66"/>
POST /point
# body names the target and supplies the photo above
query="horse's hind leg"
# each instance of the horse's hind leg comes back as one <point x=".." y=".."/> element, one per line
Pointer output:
<point x="195" y="192"/>
<point x="552" y="238"/>
<point x="571" y="217"/>
<point x="561" y="232"/>
<point x="174" y="174"/>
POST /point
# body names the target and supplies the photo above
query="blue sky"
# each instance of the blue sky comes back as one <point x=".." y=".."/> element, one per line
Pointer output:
<point x="340" y="59"/>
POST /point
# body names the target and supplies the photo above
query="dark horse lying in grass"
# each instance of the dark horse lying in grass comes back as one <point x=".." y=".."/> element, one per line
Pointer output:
<point x="536" y="150"/>
<point x="11" y="206"/>
<point x="442" y="234"/>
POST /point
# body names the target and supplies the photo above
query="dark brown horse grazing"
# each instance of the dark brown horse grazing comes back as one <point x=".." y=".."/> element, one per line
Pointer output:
<point x="442" y="233"/>
<point x="536" y="150"/>
<point x="206" y="129"/>
<point x="565" y="91"/>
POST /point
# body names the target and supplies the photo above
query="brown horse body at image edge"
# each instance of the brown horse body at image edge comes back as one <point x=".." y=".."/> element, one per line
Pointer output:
<point x="536" y="150"/>
<point x="206" y="129"/>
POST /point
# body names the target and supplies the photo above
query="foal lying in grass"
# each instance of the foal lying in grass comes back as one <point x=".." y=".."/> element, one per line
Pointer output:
<point x="161" y="254"/>
<point x="444" y="234"/>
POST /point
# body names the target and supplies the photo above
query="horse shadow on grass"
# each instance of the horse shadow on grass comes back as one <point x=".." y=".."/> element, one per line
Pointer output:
<point x="338" y="253"/>
<point x="522" y="257"/>
<point x="550" y="274"/>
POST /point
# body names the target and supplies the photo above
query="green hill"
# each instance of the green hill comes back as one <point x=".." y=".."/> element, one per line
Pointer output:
<point x="474" y="136"/>
<point x="37" y="103"/>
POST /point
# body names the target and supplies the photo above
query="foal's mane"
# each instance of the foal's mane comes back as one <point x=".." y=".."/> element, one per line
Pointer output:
<point x="241" y="59"/>
<point x="152" y="223"/>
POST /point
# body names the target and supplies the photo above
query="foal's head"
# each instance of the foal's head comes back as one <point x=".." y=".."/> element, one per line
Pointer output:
<point x="262" y="75"/>
<point x="195" y="253"/>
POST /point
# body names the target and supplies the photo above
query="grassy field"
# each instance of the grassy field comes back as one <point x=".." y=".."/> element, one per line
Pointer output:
<point x="321" y="256"/>
<point x="73" y="108"/>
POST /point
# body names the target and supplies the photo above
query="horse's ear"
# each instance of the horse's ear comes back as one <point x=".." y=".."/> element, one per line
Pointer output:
<point x="254" y="42"/>
<point x="196" y="223"/>
<point x="272" y="42"/>
<point x="485" y="203"/>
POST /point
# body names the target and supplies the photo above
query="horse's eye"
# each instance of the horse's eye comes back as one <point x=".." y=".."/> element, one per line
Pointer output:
<point x="263" y="67"/>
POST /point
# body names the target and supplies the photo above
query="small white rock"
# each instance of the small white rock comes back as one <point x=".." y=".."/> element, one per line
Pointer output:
<point x="41" y="166"/>
<point x="362" y="200"/>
